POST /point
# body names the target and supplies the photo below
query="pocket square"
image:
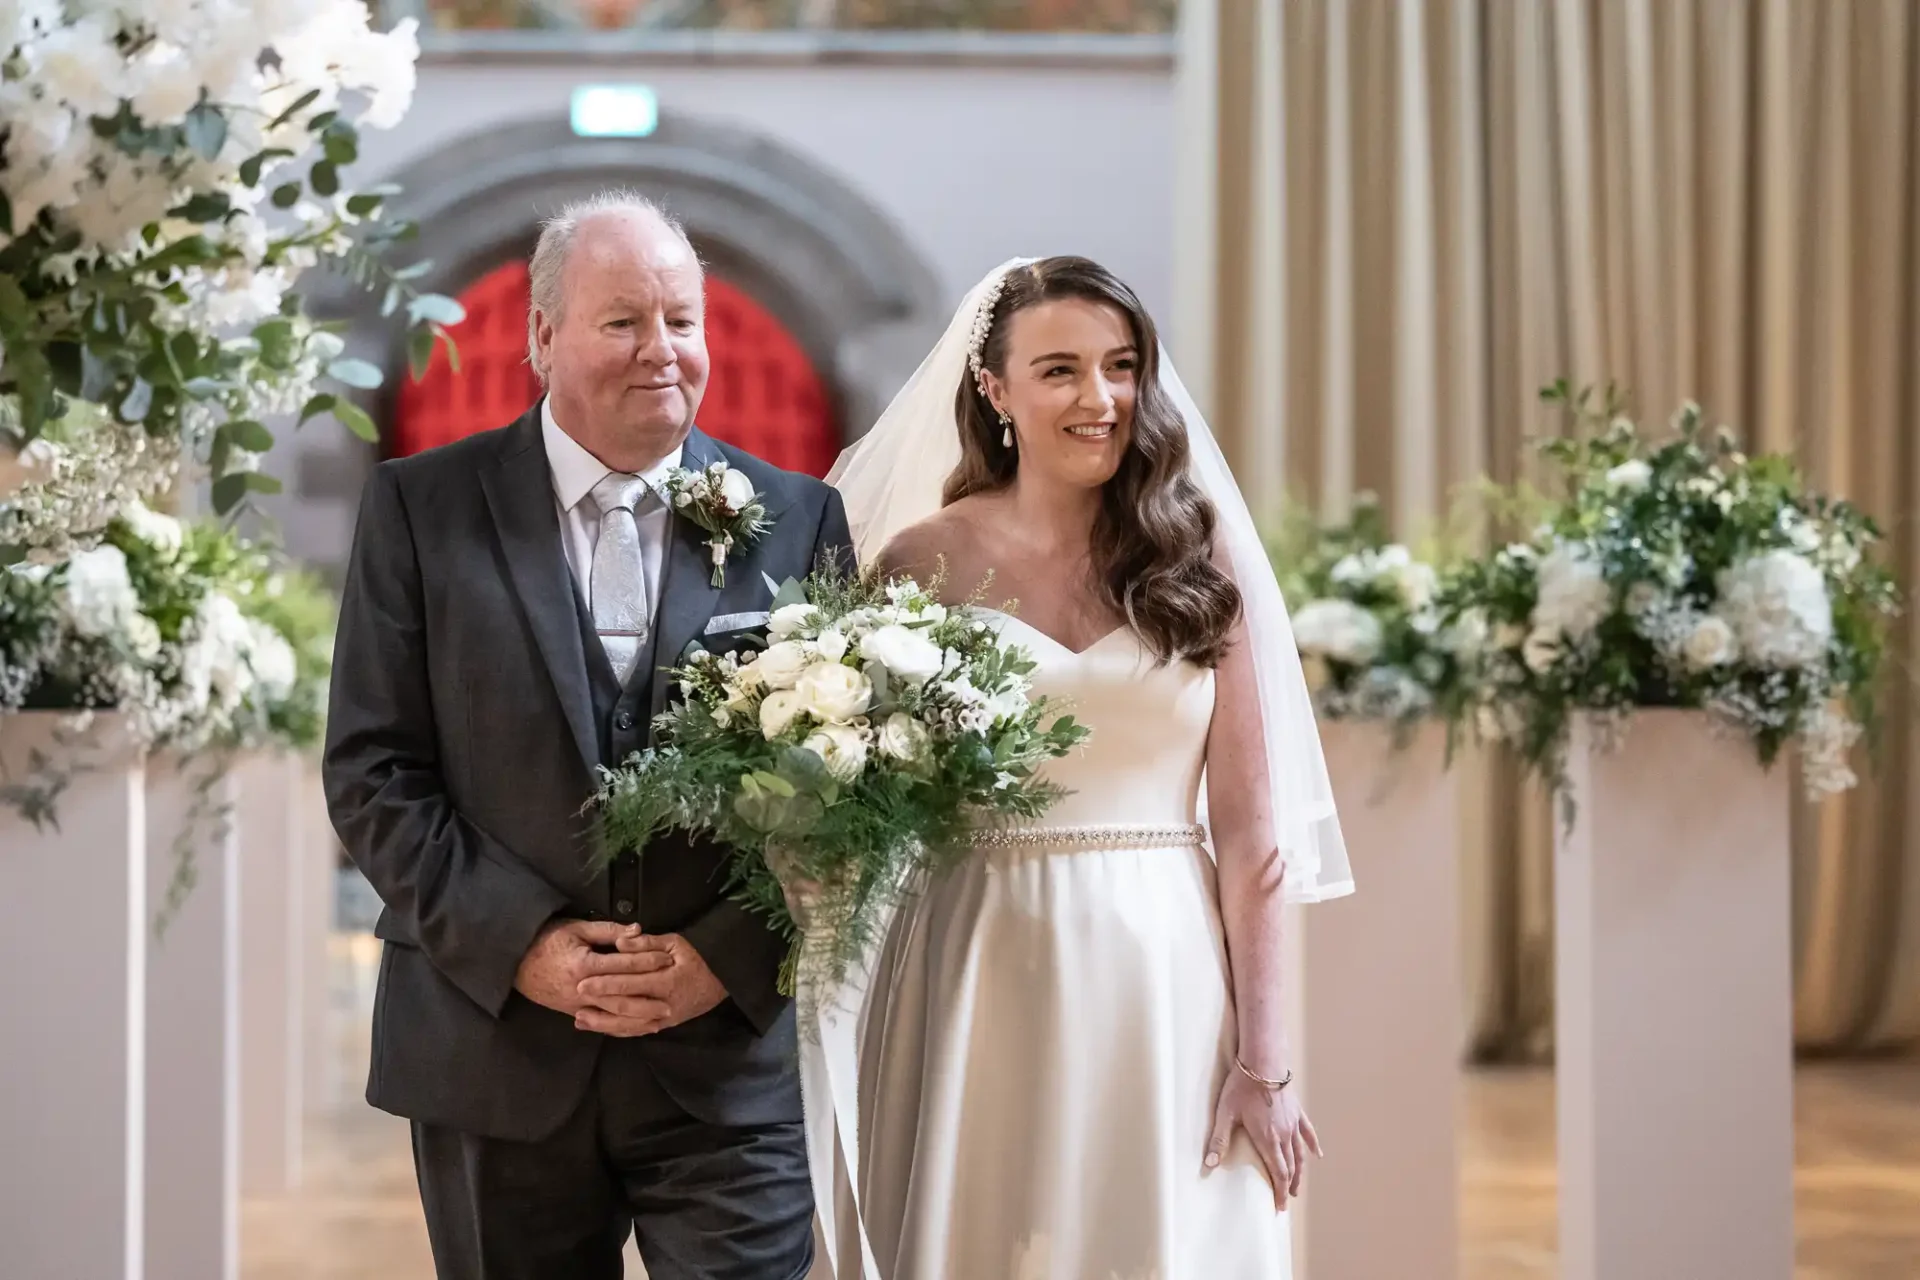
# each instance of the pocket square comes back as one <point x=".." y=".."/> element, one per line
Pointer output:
<point x="735" y="622"/>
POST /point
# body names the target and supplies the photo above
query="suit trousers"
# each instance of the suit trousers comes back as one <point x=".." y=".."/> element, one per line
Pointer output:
<point x="707" y="1202"/>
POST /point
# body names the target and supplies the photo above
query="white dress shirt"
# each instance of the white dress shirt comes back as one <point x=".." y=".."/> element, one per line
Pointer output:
<point x="575" y="472"/>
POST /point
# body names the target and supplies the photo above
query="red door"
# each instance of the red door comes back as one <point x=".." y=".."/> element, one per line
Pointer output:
<point x="764" y="394"/>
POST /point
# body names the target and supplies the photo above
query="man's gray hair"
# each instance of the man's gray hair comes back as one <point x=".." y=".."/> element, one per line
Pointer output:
<point x="556" y="242"/>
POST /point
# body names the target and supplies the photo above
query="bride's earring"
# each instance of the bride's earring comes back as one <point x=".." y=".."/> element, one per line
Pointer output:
<point x="1006" y="434"/>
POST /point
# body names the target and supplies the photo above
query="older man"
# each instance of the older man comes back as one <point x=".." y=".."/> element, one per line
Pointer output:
<point x="510" y="604"/>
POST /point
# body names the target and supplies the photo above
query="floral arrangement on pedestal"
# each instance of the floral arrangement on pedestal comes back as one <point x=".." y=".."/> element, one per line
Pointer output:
<point x="1678" y="573"/>
<point x="168" y="171"/>
<point x="1373" y="645"/>
<point x="205" y="642"/>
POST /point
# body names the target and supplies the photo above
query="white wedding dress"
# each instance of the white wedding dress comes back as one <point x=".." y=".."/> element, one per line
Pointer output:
<point x="1048" y="1027"/>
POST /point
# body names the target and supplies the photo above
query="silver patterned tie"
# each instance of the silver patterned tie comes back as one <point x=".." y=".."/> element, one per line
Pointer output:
<point x="617" y="589"/>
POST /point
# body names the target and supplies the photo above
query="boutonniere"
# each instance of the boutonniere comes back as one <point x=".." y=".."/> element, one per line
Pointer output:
<point x="724" y="503"/>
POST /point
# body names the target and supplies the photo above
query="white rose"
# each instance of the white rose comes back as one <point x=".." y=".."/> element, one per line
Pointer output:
<point x="905" y="653"/>
<point x="903" y="738"/>
<point x="1417" y="583"/>
<point x="1574" y="596"/>
<point x="1711" y="644"/>
<point x="779" y="665"/>
<point x="1009" y="704"/>
<point x="841" y="747"/>
<point x="143" y="637"/>
<point x="831" y="692"/>
<point x="736" y="490"/>
<point x="1338" y="629"/>
<point x="1634" y="473"/>
<point x="161" y="532"/>
<point x="1778" y="607"/>
<point x="1541" y="649"/>
<point x="1349" y="569"/>
<point x="270" y="659"/>
<point x="1644" y="598"/>
<point x="832" y="645"/>
<point x="100" y="595"/>
<point x="778" y="712"/>
<point x="789" y="618"/>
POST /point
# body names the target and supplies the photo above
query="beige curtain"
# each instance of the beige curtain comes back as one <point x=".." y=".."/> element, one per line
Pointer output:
<point x="1399" y="218"/>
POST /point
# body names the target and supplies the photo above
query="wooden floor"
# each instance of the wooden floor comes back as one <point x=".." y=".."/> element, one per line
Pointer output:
<point x="1857" y="1202"/>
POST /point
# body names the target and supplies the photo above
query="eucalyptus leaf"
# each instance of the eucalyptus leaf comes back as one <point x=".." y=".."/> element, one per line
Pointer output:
<point x="324" y="179"/>
<point x="252" y="167"/>
<point x="206" y="130"/>
<point x="286" y="195"/>
<point x="319" y="404"/>
<point x="355" y="419"/>
<point x="437" y="308"/>
<point x="415" y="270"/>
<point x="300" y="104"/>
<point x="14" y="308"/>
<point x="453" y="348"/>
<point x="228" y="490"/>
<point x="355" y="373"/>
<point x="138" y="401"/>
<point x="341" y="147"/>
<point x="420" y="352"/>
<point x="249" y="435"/>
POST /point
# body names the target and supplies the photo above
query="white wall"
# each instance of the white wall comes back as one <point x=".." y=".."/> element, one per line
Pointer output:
<point x="974" y="164"/>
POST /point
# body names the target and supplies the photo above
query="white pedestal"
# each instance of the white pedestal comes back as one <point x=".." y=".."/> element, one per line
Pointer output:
<point x="268" y="816"/>
<point x="1674" y="1009"/>
<point x="193" y="1032"/>
<point x="73" y="966"/>
<point x="1381" y="1037"/>
<point x="318" y="1056"/>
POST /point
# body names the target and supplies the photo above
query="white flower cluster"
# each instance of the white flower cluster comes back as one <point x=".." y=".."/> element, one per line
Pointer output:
<point x="161" y="64"/>
<point x="61" y="490"/>
<point x="869" y="684"/>
<point x="218" y="679"/>
<point x="1370" y="638"/>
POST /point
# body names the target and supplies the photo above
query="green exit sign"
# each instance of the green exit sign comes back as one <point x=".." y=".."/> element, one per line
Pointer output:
<point x="615" y="111"/>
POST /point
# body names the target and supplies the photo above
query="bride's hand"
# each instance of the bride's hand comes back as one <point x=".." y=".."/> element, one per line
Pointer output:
<point x="1282" y="1135"/>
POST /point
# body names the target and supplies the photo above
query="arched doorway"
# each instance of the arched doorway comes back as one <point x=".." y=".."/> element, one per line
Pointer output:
<point x="764" y="394"/>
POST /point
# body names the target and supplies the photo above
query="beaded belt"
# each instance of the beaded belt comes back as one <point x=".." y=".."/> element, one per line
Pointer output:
<point x="1109" y="836"/>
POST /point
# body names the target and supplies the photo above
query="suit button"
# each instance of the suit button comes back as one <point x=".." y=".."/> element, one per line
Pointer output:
<point x="624" y="906"/>
<point x="624" y="721"/>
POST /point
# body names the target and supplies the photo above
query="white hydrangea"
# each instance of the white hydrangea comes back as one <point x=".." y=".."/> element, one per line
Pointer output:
<point x="1777" y="604"/>
<point x="1337" y="629"/>
<point x="271" y="663"/>
<point x="161" y="532"/>
<point x="100" y="599"/>
<point x="1574" y="597"/>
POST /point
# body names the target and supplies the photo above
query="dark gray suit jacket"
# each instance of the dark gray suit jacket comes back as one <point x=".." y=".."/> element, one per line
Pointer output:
<point x="470" y="704"/>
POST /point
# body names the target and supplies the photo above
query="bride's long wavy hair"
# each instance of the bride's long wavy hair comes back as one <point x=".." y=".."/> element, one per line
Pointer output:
<point x="1153" y="539"/>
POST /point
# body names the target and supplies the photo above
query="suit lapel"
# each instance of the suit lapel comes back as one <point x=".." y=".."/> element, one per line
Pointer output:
<point x="687" y="593"/>
<point x="519" y="489"/>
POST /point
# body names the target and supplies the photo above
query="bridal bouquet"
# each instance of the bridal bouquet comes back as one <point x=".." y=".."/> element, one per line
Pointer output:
<point x="1371" y="641"/>
<point x="853" y="752"/>
<point x="1680" y="574"/>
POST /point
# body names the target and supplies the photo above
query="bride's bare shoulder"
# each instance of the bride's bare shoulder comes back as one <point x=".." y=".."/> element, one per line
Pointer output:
<point x="945" y="542"/>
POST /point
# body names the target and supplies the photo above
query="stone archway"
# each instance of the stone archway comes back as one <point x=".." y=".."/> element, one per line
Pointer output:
<point x="834" y="271"/>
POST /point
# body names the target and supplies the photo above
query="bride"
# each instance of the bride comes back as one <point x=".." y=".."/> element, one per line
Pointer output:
<point x="1072" y="1064"/>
